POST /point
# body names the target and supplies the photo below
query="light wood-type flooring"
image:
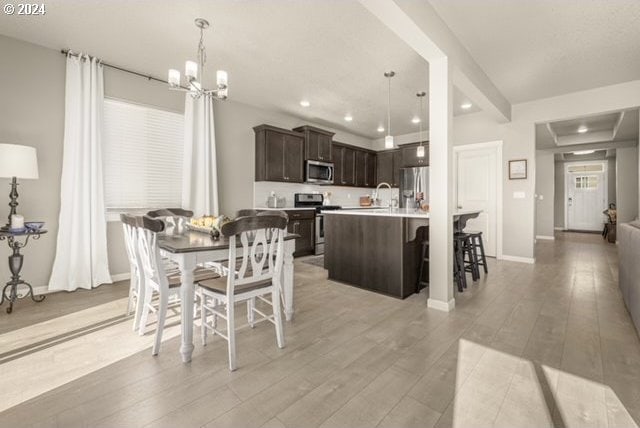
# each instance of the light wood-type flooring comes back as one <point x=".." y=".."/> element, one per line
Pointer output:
<point x="549" y="344"/>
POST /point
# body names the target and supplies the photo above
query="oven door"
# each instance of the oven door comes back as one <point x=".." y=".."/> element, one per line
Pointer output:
<point x="319" y="172"/>
<point x="319" y="234"/>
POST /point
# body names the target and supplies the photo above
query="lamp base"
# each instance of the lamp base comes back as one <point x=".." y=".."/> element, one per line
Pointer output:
<point x="13" y="196"/>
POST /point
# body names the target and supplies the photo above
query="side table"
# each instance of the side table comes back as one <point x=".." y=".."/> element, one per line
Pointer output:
<point x="15" y="266"/>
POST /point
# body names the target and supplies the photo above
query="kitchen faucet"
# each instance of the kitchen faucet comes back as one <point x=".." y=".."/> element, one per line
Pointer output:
<point x="390" y="192"/>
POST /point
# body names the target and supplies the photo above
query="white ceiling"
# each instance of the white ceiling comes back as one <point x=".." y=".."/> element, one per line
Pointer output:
<point x="541" y="48"/>
<point x="332" y="53"/>
<point x="606" y="130"/>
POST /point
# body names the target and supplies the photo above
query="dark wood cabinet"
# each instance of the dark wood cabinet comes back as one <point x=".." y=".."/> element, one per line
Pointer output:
<point x="344" y="161"/>
<point x="388" y="167"/>
<point x="303" y="223"/>
<point x="365" y="169"/>
<point x="317" y="143"/>
<point x="279" y="154"/>
<point x="410" y="156"/>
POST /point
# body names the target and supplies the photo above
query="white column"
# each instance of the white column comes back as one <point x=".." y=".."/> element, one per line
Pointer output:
<point x="440" y="185"/>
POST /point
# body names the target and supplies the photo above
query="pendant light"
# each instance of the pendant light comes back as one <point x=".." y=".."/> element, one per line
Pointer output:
<point x="420" y="149"/>
<point x="388" y="140"/>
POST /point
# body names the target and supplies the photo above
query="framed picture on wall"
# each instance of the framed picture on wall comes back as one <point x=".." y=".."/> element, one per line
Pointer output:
<point x="518" y="169"/>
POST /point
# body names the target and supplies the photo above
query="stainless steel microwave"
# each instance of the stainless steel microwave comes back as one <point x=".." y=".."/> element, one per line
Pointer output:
<point x="318" y="172"/>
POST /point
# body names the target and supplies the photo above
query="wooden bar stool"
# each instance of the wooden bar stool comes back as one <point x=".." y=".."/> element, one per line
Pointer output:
<point x="476" y="241"/>
<point x="459" y="273"/>
<point x="423" y="265"/>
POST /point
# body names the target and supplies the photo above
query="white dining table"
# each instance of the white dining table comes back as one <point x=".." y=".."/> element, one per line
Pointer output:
<point x="191" y="248"/>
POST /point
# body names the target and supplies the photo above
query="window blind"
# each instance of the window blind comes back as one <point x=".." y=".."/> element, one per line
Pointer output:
<point x="142" y="151"/>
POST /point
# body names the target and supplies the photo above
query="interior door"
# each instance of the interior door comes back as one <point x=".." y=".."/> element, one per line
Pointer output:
<point x="477" y="187"/>
<point x="585" y="200"/>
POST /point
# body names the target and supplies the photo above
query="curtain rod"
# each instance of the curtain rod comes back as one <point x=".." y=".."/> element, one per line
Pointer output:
<point x="115" y="67"/>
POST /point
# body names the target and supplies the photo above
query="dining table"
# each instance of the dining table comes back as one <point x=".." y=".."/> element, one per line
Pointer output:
<point x="190" y="248"/>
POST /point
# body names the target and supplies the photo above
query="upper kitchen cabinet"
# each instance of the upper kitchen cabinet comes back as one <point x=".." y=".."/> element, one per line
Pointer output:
<point x="365" y="168"/>
<point x="388" y="167"/>
<point x="279" y="154"/>
<point x="317" y="143"/>
<point x="344" y="160"/>
<point x="410" y="155"/>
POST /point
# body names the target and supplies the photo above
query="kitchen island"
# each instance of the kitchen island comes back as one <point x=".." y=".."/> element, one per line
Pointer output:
<point x="379" y="249"/>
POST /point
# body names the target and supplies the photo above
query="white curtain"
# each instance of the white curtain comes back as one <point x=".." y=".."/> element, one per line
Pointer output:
<point x="199" y="180"/>
<point x="81" y="253"/>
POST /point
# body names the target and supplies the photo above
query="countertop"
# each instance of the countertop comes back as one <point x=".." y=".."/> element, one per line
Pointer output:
<point x="396" y="212"/>
<point x="285" y="208"/>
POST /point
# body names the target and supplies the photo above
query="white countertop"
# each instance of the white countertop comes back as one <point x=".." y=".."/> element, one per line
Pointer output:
<point x="285" y="208"/>
<point x="396" y="212"/>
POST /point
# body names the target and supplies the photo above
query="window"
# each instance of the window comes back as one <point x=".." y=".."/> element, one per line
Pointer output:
<point x="142" y="150"/>
<point x="587" y="182"/>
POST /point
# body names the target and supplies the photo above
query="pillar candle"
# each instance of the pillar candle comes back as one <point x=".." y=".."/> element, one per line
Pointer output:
<point x="17" y="221"/>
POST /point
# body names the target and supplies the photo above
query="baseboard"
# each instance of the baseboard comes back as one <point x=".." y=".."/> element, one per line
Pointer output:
<point x="559" y="228"/>
<point x="549" y="238"/>
<point x="44" y="289"/>
<point x="120" y="276"/>
<point x="440" y="305"/>
<point x="529" y="260"/>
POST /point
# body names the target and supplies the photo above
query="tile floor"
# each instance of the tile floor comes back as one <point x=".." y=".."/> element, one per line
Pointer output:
<point x="549" y="344"/>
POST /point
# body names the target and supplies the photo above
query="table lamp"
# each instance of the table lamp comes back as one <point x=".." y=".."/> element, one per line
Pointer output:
<point x="17" y="162"/>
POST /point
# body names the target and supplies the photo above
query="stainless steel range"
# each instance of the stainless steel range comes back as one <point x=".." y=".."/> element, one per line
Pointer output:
<point x="315" y="200"/>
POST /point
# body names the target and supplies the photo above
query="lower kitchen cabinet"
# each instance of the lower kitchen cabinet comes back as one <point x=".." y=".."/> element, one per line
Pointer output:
<point x="303" y="223"/>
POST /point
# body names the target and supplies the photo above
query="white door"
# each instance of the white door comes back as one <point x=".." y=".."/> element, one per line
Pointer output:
<point x="586" y="199"/>
<point x="476" y="189"/>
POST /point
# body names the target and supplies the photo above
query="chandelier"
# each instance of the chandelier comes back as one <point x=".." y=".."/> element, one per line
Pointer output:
<point x="194" y="85"/>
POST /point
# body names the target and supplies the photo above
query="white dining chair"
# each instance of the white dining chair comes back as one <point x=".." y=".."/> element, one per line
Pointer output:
<point x="156" y="281"/>
<point x="134" y="304"/>
<point x="261" y="240"/>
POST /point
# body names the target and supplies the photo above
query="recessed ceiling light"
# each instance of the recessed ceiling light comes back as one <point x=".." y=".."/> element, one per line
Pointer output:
<point x="583" y="129"/>
<point x="583" y="152"/>
<point x="380" y="128"/>
<point x="466" y="106"/>
<point x="348" y="118"/>
<point x="305" y="103"/>
<point x="415" y="120"/>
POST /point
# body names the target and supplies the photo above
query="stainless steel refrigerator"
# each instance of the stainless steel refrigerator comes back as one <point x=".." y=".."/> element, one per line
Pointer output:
<point x="414" y="185"/>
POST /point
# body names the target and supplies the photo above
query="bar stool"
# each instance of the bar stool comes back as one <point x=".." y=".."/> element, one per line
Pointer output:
<point x="423" y="265"/>
<point x="459" y="271"/>
<point x="476" y="241"/>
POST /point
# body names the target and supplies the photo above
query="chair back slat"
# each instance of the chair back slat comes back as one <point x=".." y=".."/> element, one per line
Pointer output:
<point x="150" y="257"/>
<point x="261" y="248"/>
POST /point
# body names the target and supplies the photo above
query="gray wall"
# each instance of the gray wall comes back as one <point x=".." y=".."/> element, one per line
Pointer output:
<point x="545" y="183"/>
<point x="627" y="183"/>
<point x="32" y="113"/>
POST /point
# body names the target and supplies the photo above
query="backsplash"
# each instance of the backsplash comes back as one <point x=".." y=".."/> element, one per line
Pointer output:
<point x="344" y="196"/>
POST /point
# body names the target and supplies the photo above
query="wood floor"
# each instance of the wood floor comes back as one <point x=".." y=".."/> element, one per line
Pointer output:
<point x="549" y="344"/>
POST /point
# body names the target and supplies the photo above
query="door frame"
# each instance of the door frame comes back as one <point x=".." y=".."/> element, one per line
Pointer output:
<point x="497" y="146"/>
<point x="605" y="173"/>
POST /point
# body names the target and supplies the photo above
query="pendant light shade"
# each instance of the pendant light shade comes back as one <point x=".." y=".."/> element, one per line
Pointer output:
<point x="388" y="140"/>
<point x="420" y="152"/>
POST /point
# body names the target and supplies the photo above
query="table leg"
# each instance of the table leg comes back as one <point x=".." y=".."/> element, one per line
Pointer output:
<point x="187" y="265"/>
<point x="287" y="279"/>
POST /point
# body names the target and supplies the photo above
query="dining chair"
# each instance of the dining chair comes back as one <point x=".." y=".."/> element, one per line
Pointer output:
<point x="130" y="229"/>
<point x="156" y="280"/>
<point x="261" y="247"/>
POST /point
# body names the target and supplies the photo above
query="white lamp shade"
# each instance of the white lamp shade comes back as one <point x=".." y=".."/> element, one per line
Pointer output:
<point x="174" y="77"/>
<point x="191" y="69"/>
<point x="221" y="78"/>
<point x="18" y="161"/>
<point x="388" y="142"/>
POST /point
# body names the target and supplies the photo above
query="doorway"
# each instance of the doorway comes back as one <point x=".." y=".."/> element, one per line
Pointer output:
<point x="586" y="198"/>
<point x="478" y="186"/>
